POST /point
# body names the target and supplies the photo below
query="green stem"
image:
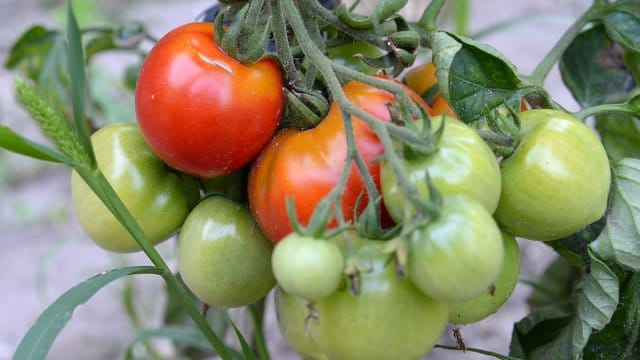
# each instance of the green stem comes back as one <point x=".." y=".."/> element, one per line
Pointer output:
<point x="604" y="108"/>
<point x="326" y="69"/>
<point x="100" y="185"/>
<point x="282" y="41"/>
<point x="542" y="70"/>
<point x="479" y="351"/>
<point x="429" y="18"/>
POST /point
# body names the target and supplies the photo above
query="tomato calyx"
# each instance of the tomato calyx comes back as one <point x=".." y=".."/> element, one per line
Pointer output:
<point x="248" y="36"/>
<point x="305" y="107"/>
<point x="501" y="130"/>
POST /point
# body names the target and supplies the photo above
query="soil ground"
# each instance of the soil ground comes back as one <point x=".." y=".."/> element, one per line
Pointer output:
<point x="43" y="252"/>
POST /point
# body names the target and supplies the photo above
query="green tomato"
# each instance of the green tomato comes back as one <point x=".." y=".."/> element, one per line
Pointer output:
<point x="497" y="294"/>
<point x="291" y="314"/>
<point x="388" y="319"/>
<point x="463" y="164"/>
<point x="459" y="254"/>
<point x="307" y="267"/>
<point x="223" y="257"/>
<point x="157" y="199"/>
<point x="557" y="179"/>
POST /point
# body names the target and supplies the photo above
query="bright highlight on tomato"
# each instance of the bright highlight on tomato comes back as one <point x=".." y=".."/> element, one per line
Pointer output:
<point x="202" y="111"/>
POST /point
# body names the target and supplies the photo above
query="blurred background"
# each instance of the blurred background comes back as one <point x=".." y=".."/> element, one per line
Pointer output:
<point x="43" y="252"/>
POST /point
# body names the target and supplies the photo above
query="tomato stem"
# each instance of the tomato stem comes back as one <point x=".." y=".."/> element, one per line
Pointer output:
<point x="544" y="67"/>
<point x="604" y="109"/>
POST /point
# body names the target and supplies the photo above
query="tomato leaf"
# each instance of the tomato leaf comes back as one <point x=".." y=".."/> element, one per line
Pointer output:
<point x="475" y="78"/>
<point x="623" y="28"/>
<point x="18" y="144"/>
<point x="546" y="333"/>
<point x="621" y="338"/>
<point x="620" y="135"/>
<point x="593" y="69"/>
<point x="38" y="340"/>
<point x="620" y="239"/>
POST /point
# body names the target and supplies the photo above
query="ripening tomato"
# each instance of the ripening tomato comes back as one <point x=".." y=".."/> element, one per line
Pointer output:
<point x="306" y="165"/>
<point x="556" y="181"/>
<point x="202" y="111"/>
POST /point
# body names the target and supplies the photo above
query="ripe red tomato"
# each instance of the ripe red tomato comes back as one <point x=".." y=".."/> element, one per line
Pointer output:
<point x="202" y="111"/>
<point x="307" y="165"/>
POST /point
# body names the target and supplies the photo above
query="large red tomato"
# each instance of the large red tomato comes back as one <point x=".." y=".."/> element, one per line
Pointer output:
<point x="202" y="111"/>
<point x="307" y="165"/>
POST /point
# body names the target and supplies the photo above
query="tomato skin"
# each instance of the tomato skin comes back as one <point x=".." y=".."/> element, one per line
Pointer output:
<point x="291" y="314"/>
<point x="463" y="164"/>
<point x="389" y="318"/>
<point x="156" y="198"/>
<point x="491" y="299"/>
<point x="556" y="181"/>
<point x="307" y="165"/>
<point x="223" y="258"/>
<point x="203" y="112"/>
<point x="459" y="254"/>
<point x="307" y="267"/>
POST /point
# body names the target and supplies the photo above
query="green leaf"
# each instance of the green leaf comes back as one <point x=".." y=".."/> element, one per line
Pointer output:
<point x="623" y="28"/>
<point x="621" y="338"/>
<point x="28" y="54"/>
<point x="246" y="349"/>
<point x="554" y="286"/>
<point x="620" y="240"/>
<point x="102" y="42"/>
<point x="37" y="342"/>
<point x="574" y="248"/>
<point x="20" y="145"/>
<point x="77" y="73"/>
<point x="545" y="334"/>
<point x="475" y="78"/>
<point x="620" y="135"/>
<point x="593" y="70"/>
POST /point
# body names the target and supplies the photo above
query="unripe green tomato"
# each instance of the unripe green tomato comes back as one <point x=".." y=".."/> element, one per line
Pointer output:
<point x="223" y="257"/>
<point x="291" y="314"/>
<point x="497" y="294"/>
<point x="557" y="179"/>
<point x="388" y="319"/>
<point x="459" y="254"/>
<point x="463" y="164"/>
<point x="157" y="199"/>
<point x="307" y="267"/>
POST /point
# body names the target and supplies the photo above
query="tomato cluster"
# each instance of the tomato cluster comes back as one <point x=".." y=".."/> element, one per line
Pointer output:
<point x="207" y="160"/>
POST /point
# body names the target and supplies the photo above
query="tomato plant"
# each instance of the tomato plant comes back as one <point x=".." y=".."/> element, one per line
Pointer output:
<point x="201" y="110"/>
<point x="306" y="165"/>
<point x="462" y="164"/>
<point x="263" y="104"/>
<point x="156" y="198"/>
<point x="222" y="257"/>
<point x="556" y="181"/>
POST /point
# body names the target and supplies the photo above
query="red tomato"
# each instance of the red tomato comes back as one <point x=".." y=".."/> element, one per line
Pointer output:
<point x="307" y="165"/>
<point x="202" y="111"/>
